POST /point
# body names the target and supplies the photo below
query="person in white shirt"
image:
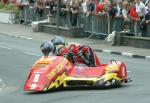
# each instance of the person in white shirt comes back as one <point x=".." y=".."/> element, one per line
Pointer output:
<point x="140" y="8"/>
<point x="125" y="13"/>
<point x="141" y="11"/>
<point x="85" y="6"/>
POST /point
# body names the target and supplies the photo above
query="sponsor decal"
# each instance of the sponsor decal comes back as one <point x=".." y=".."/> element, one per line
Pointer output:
<point x="123" y="71"/>
<point x="112" y="68"/>
<point x="57" y="69"/>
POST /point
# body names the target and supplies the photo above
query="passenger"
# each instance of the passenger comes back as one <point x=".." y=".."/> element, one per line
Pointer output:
<point x="47" y="47"/>
<point x="52" y="46"/>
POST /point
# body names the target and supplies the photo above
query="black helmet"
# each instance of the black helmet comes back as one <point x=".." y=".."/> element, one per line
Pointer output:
<point x="58" y="40"/>
<point x="47" y="47"/>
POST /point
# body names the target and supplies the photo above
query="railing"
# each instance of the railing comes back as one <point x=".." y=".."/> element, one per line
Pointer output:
<point x="27" y="14"/>
<point x="99" y="24"/>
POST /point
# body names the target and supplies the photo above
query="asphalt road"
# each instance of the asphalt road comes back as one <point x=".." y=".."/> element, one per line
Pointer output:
<point x="17" y="56"/>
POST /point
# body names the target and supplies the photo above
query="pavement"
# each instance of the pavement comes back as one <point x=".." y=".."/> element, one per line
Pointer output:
<point x="25" y="32"/>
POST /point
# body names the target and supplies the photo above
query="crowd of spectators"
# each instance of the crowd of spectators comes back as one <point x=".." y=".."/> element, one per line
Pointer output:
<point x="137" y="11"/>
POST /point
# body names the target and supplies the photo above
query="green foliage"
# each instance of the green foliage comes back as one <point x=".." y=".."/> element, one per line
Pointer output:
<point x="1" y="5"/>
<point x="8" y="7"/>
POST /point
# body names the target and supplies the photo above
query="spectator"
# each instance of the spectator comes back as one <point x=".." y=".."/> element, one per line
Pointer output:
<point x="74" y="12"/>
<point x="63" y="13"/>
<point x="52" y="7"/>
<point x="23" y="4"/>
<point x="112" y="11"/>
<point x="125" y="13"/>
<point x="63" y="10"/>
<point x="99" y="7"/>
<point x="40" y="5"/>
<point x="102" y="7"/>
<point x="119" y="9"/>
<point x="117" y="20"/>
<point x="91" y="7"/>
<point x="84" y="6"/>
<point x="132" y="12"/>
<point x="107" y="6"/>
<point x="134" y="17"/>
<point x="141" y="11"/>
<point x="147" y="16"/>
<point x="31" y="9"/>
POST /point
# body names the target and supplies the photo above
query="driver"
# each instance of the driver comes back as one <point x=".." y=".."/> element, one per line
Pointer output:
<point x="84" y="54"/>
<point x="58" y="42"/>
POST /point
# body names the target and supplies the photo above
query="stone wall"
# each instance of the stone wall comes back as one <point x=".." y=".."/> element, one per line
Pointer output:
<point x="70" y="32"/>
<point x="122" y="39"/>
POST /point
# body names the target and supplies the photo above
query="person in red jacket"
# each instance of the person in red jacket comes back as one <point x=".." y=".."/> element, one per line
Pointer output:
<point x="133" y="14"/>
<point x="83" y="54"/>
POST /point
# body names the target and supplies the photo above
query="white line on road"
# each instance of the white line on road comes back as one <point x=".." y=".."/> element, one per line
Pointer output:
<point x="128" y="71"/>
<point x="127" y="54"/>
<point x="25" y="38"/>
<point x="22" y="37"/>
<point x="5" y="47"/>
<point x="147" y="57"/>
<point x="32" y="54"/>
<point x="107" y="51"/>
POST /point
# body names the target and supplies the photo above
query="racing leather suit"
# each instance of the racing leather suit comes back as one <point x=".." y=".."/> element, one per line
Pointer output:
<point x="84" y="54"/>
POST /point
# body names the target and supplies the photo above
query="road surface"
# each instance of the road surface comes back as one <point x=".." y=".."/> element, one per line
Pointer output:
<point x="17" y="56"/>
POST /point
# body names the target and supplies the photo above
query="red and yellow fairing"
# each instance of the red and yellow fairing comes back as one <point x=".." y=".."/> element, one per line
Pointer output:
<point x="47" y="73"/>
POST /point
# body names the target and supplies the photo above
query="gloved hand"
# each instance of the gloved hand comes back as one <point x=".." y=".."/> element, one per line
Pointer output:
<point x="79" y="54"/>
<point x="84" y="58"/>
<point x="70" y="57"/>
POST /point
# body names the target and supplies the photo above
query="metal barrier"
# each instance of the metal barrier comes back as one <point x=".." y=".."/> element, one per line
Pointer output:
<point x="27" y="14"/>
<point x="99" y="24"/>
<point x="95" y="24"/>
<point x="147" y="33"/>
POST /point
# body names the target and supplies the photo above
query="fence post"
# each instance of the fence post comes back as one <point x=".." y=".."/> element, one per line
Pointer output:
<point x="148" y="30"/>
<point x="108" y="19"/>
<point x="25" y="21"/>
<point x="92" y="25"/>
<point x="57" y="16"/>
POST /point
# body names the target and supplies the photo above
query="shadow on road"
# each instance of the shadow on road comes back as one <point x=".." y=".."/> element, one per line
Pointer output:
<point x="75" y="89"/>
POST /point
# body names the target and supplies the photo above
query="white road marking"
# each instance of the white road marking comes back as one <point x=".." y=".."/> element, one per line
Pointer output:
<point x="147" y="57"/>
<point x="128" y="71"/>
<point x="32" y="54"/>
<point x="5" y="47"/>
<point x="107" y="51"/>
<point x="22" y="37"/>
<point x="25" y="38"/>
<point x="127" y="54"/>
